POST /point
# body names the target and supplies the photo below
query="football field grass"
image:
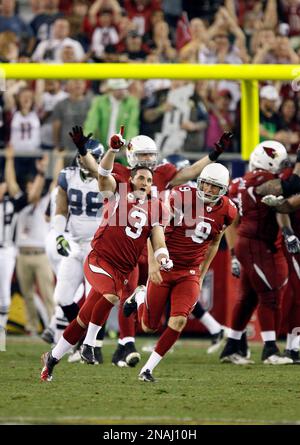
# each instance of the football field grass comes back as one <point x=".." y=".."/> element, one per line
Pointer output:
<point x="191" y="388"/>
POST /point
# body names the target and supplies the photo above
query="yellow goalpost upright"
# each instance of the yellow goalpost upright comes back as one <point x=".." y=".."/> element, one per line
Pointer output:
<point x="249" y="75"/>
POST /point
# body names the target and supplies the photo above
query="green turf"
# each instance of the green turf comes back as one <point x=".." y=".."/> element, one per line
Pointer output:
<point x="191" y="388"/>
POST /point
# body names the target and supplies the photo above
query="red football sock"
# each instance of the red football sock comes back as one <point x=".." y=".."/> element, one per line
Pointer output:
<point x="126" y="324"/>
<point x="140" y="312"/>
<point x="73" y="332"/>
<point x="166" y="341"/>
<point x="101" y="311"/>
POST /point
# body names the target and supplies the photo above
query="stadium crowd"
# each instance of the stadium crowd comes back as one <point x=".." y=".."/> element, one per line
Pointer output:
<point x="184" y="118"/>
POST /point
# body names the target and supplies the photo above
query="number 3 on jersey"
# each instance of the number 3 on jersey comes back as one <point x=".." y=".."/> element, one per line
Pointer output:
<point x="202" y="232"/>
<point x="140" y="220"/>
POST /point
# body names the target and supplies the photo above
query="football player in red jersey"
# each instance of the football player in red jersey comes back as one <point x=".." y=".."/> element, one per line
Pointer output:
<point x="142" y="150"/>
<point x="128" y="219"/>
<point x="199" y="218"/>
<point x="291" y="233"/>
<point x="260" y="255"/>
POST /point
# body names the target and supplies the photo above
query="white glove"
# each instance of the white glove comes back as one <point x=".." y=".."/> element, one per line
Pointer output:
<point x="292" y="244"/>
<point x="166" y="264"/>
<point x="235" y="267"/>
<point x="272" y="200"/>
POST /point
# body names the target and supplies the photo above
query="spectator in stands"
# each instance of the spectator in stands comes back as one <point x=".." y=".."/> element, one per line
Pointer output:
<point x="25" y="133"/>
<point x="270" y="122"/>
<point x="205" y="10"/>
<point x="279" y="51"/>
<point x="125" y="25"/>
<point x="197" y="42"/>
<point x="132" y="50"/>
<point x="220" y="118"/>
<point x="42" y="22"/>
<point x="9" y="21"/>
<point x="172" y="12"/>
<point x="289" y="12"/>
<point x="154" y="105"/>
<point x="288" y="112"/>
<point x="111" y="110"/>
<point x="251" y="15"/>
<point x="70" y="112"/>
<point x="140" y="12"/>
<point x="48" y="94"/>
<point x="33" y="267"/>
<point x="49" y="50"/>
<point x="9" y="48"/>
<point x="98" y="6"/>
<point x="105" y="34"/>
<point x="197" y="122"/>
<point x="77" y="19"/>
<point x="260" y="39"/>
<point x="161" y="44"/>
<point x="220" y="50"/>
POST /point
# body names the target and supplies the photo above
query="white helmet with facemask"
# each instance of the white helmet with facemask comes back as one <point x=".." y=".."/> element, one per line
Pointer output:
<point x="215" y="174"/>
<point x="142" y="145"/>
<point x="268" y="155"/>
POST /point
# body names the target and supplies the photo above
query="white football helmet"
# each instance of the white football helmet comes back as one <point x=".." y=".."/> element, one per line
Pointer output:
<point x="268" y="155"/>
<point x="142" y="145"/>
<point x="215" y="174"/>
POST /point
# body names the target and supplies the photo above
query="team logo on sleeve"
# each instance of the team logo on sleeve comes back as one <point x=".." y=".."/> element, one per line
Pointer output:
<point x="271" y="152"/>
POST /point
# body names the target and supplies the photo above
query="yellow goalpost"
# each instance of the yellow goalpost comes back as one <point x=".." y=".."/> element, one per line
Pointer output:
<point x="249" y="75"/>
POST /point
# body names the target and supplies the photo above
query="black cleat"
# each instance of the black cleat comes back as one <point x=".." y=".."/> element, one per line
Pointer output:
<point x="244" y="349"/>
<point x="294" y="355"/>
<point x="48" y="336"/>
<point x="268" y="351"/>
<point x="271" y="356"/>
<point x="49" y="362"/>
<point x="146" y="376"/>
<point x="217" y="340"/>
<point x="131" y="356"/>
<point x="118" y="358"/>
<point x="130" y="304"/>
<point x="98" y="355"/>
<point x="231" y="347"/>
<point x="87" y="354"/>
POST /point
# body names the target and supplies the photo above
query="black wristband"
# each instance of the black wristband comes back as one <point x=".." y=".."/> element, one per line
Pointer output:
<point x="82" y="151"/>
<point x="232" y="253"/>
<point x="290" y="186"/>
<point x="213" y="155"/>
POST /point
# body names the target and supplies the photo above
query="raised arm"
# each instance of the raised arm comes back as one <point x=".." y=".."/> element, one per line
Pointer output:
<point x="106" y="181"/>
<point x="39" y="181"/>
<point x="59" y="157"/>
<point x="10" y="172"/>
<point x="80" y="140"/>
<point x="191" y="172"/>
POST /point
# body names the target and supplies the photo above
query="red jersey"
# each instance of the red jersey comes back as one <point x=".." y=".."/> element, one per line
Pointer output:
<point x="126" y="224"/>
<point x="258" y="221"/>
<point x="194" y="226"/>
<point x="294" y="216"/>
<point x="162" y="176"/>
